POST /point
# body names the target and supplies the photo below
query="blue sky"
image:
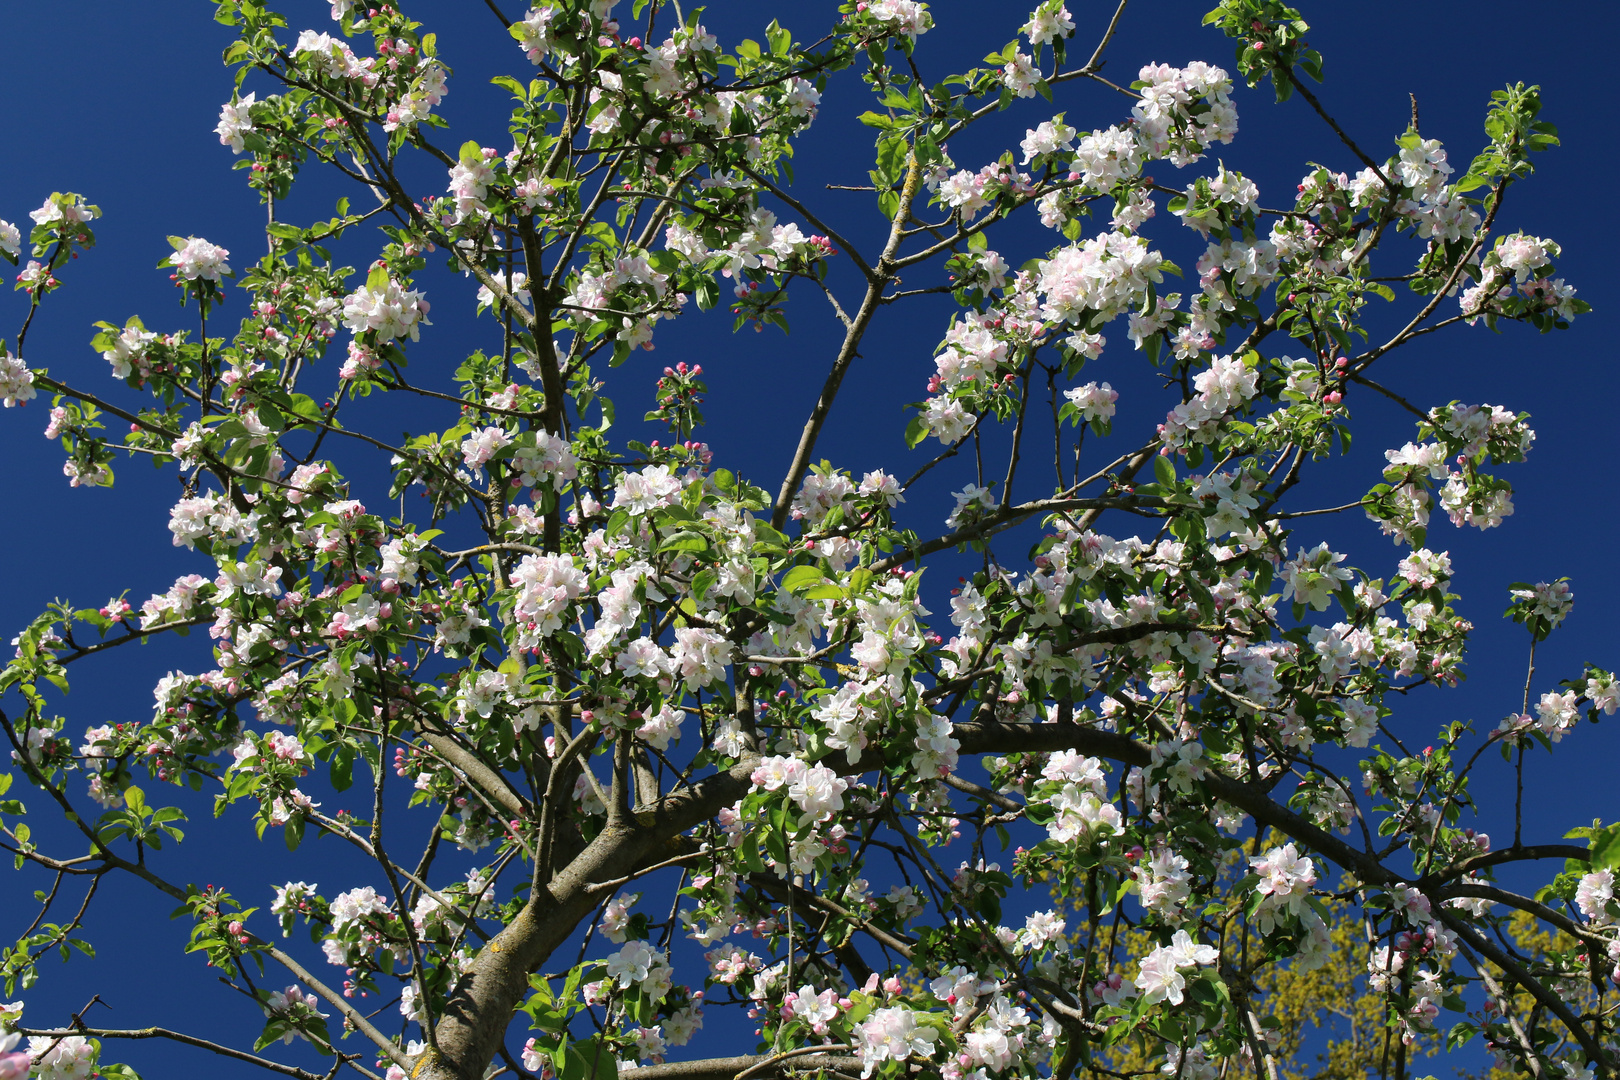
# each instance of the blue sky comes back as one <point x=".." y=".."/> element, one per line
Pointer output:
<point x="122" y="111"/>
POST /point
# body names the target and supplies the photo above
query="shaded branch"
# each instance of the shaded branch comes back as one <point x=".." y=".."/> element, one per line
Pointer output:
<point x="188" y="1040"/>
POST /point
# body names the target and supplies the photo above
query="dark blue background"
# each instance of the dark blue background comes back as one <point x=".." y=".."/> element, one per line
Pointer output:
<point x="120" y="105"/>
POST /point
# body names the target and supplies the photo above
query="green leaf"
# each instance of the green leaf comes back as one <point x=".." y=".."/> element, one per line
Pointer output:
<point x="891" y="159"/>
<point x="781" y="39"/>
<point x="1164" y="469"/>
<point x="1606" y="848"/>
<point x="342" y="767"/>
<point x="685" y="540"/>
<point x="749" y="854"/>
<point x="801" y="578"/>
<point x="518" y="90"/>
<point x="598" y="1061"/>
<point x="706" y="292"/>
<point x="703" y="581"/>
